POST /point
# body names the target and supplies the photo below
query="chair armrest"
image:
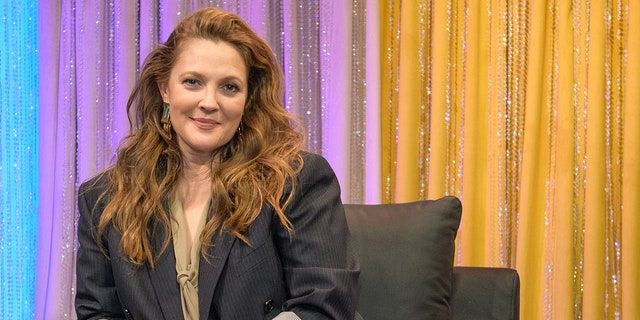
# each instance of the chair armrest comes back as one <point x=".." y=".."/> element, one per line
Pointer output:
<point x="485" y="293"/>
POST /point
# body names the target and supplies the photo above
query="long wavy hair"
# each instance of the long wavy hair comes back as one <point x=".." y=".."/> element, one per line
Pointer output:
<point x="254" y="169"/>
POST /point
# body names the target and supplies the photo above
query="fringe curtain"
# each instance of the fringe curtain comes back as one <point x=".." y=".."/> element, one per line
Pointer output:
<point x="529" y="112"/>
<point x="91" y="52"/>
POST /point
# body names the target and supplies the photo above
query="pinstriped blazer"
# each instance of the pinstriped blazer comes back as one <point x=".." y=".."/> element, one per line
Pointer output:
<point x="312" y="274"/>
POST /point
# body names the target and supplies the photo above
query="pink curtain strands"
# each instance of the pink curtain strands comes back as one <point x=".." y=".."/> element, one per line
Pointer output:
<point x="91" y="53"/>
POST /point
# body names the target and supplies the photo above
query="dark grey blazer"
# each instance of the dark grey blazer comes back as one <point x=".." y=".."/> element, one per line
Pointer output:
<point x="313" y="273"/>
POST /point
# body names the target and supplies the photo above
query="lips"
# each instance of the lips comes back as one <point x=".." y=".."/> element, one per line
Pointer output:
<point x="205" y="124"/>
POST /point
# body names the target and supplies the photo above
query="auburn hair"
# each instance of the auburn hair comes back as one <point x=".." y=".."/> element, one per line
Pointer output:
<point x="256" y="168"/>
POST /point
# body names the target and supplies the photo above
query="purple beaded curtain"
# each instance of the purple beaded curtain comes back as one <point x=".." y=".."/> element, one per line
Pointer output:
<point x="90" y="55"/>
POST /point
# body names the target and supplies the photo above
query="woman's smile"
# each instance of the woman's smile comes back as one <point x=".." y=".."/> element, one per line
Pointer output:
<point x="205" y="124"/>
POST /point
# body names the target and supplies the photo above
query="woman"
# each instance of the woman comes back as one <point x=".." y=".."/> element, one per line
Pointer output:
<point x="212" y="210"/>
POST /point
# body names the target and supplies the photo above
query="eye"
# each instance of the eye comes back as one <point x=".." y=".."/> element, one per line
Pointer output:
<point x="230" y="87"/>
<point x="191" y="82"/>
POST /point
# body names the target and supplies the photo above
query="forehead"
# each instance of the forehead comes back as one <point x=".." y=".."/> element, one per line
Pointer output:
<point x="205" y="53"/>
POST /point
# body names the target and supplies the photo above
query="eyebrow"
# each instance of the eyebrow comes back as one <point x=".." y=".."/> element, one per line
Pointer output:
<point x="198" y="74"/>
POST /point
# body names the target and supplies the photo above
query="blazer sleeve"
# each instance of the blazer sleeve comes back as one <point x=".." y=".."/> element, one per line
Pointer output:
<point x="96" y="296"/>
<point x="320" y="265"/>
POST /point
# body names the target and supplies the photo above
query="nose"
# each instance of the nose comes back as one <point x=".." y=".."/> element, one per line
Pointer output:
<point x="209" y="99"/>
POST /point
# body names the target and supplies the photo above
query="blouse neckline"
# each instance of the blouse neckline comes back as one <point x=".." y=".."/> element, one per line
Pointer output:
<point x="187" y="259"/>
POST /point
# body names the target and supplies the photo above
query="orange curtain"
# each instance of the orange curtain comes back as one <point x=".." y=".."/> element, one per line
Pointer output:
<point x="529" y="111"/>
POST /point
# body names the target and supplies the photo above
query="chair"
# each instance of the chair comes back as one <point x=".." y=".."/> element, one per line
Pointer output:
<point x="406" y="255"/>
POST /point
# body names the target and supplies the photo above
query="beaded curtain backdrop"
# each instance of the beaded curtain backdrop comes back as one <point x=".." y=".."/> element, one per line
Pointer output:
<point x="528" y="111"/>
<point x="18" y="158"/>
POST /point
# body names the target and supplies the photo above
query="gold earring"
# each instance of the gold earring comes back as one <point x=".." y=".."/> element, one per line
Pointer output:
<point x="166" y="121"/>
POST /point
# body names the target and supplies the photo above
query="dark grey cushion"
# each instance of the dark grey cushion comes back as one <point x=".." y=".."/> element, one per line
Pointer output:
<point x="406" y="255"/>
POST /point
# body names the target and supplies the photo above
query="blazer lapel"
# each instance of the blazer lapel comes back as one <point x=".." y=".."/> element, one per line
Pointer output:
<point x="164" y="279"/>
<point x="211" y="269"/>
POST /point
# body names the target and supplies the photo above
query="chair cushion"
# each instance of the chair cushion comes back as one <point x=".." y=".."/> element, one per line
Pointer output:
<point x="406" y="255"/>
<point x="485" y="293"/>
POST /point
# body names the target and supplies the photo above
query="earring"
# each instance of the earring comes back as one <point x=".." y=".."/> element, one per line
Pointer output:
<point x="240" y="129"/>
<point x="166" y="121"/>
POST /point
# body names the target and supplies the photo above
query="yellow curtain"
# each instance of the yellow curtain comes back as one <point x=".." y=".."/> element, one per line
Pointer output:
<point x="529" y="111"/>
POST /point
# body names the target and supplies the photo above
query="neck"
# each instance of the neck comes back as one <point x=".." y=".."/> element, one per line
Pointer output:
<point x="194" y="182"/>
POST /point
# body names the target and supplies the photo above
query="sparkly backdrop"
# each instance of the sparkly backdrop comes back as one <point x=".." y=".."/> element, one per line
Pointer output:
<point x="18" y="157"/>
<point x="528" y="111"/>
<point x="92" y="51"/>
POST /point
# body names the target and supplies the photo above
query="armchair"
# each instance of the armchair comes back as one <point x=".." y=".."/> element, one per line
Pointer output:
<point x="406" y="255"/>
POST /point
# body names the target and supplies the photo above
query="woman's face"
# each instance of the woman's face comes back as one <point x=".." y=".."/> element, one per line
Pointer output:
<point x="206" y="91"/>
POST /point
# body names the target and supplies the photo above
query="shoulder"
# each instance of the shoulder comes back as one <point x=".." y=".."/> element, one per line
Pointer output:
<point x="316" y="172"/>
<point x="313" y="158"/>
<point x="315" y="164"/>
<point x="92" y="188"/>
